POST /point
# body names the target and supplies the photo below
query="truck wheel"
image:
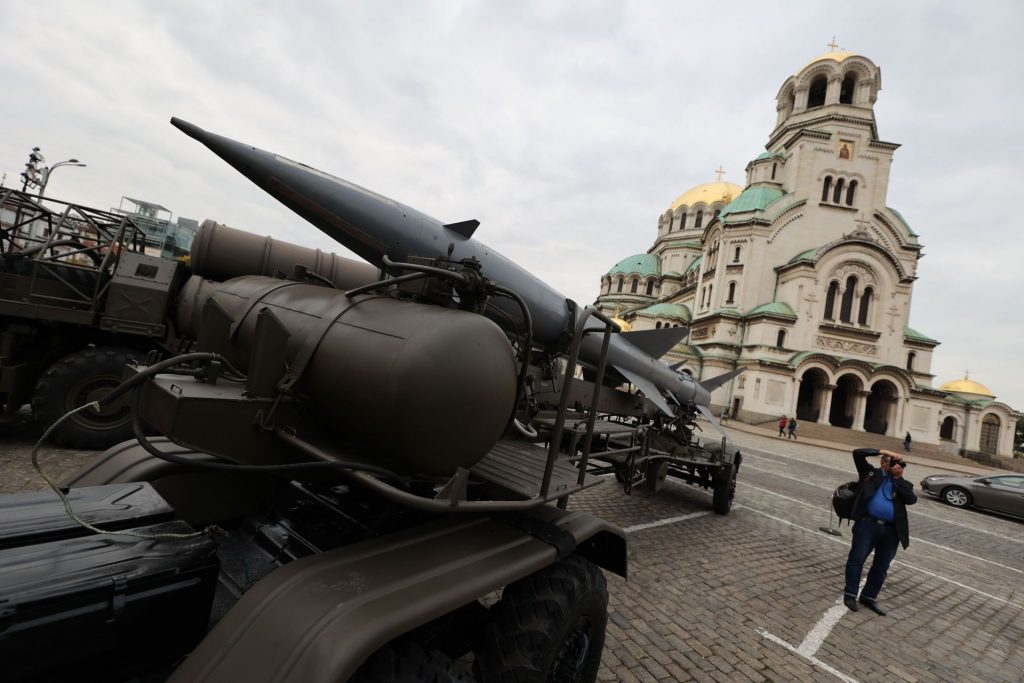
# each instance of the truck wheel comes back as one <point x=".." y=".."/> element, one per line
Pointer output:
<point x="406" y="662"/>
<point x="724" y="490"/>
<point x="76" y="379"/>
<point x="547" y="627"/>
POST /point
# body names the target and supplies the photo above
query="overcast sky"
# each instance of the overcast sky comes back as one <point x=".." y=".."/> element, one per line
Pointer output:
<point x="566" y="128"/>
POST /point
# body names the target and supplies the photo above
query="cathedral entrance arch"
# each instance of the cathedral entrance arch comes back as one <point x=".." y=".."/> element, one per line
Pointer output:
<point x="880" y="411"/>
<point x="948" y="429"/>
<point x="989" y="435"/>
<point x="811" y="397"/>
<point x="844" y="396"/>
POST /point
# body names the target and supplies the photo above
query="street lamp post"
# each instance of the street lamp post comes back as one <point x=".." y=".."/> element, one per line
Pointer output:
<point x="37" y="174"/>
<point x="46" y="172"/>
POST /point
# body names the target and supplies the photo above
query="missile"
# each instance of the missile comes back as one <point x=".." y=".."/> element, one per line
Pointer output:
<point x="374" y="226"/>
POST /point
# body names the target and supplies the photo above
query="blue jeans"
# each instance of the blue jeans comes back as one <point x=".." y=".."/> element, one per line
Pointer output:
<point x="869" y="535"/>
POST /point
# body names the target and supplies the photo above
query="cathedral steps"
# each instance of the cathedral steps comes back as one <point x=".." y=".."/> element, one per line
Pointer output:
<point x="839" y="437"/>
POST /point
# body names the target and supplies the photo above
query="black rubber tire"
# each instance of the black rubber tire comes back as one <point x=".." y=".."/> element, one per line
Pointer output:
<point x="724" y="490"/>
<point x="76" y="379"/>
<point x="547" y="628"/>
<point x="407" y="662"/>
<point x="957" y="497"/>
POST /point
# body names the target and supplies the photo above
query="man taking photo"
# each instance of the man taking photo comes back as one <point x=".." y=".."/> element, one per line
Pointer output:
<point x="880" y="514"/>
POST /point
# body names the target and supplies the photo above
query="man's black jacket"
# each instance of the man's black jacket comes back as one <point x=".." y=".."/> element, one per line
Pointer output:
<point x="871" y="477"/>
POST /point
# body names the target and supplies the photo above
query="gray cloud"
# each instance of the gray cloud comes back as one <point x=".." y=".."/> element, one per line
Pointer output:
<point x="565" y="127"/>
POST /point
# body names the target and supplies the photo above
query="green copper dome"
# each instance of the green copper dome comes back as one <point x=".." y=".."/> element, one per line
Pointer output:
<point x="641" y="264"/>
<point x="675" y="311"/>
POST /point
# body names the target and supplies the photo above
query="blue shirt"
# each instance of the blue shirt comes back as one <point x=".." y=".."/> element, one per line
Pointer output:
<point x="880" y="506"/>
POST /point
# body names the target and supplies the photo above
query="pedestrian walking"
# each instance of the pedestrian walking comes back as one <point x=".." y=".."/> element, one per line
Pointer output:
<point x="906" y="442"/>
<point x="792" y="427"/>
<point x="880" y="524"/>
<point x="725" y="415"/>
<point x="782" y="426"/>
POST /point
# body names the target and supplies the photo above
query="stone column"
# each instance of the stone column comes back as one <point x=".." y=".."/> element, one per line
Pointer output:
<point x="800" y="100"/>
<point x="826" y="404"/>
<point x="832" y="91"/>
<point x="860" y="404"/>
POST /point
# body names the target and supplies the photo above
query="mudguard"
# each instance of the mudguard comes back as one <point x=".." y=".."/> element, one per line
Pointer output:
<point x="320" y="617"/>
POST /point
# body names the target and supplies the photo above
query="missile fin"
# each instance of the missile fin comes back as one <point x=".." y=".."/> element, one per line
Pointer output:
<point x="647" y="388"/>
<point x="656" y="343"/>
<point x="464" y="228"/>
<point x="715" y="382"/>
<point x="712" y="419"/>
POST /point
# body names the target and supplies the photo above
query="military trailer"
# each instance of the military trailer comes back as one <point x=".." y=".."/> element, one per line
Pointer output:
<point x="633" y="440"/>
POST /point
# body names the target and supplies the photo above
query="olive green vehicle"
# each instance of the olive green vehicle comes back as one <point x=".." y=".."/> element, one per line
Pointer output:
<point x="351" y="444"/>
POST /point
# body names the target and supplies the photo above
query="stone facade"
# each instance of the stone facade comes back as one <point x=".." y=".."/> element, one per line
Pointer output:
<point x="804" y="277"/>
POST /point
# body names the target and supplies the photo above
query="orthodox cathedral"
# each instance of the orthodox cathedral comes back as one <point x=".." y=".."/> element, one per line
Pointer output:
<point x="804" y="277"/>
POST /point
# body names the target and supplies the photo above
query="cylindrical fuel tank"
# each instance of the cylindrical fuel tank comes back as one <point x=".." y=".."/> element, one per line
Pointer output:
<point x="220" y="252"/>
<point x="427" y="388"/>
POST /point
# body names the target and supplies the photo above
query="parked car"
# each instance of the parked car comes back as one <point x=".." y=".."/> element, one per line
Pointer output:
<point x="999" y="493"/>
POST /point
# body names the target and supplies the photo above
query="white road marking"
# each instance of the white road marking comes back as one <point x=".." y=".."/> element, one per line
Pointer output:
<point x="819" y="632"/>
<point x="812" y="659"/>
<point x="663" y="522"/>
<point x="917" y="539"/>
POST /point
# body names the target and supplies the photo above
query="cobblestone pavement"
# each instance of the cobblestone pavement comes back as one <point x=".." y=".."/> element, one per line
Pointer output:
<point x="754" y="595"/>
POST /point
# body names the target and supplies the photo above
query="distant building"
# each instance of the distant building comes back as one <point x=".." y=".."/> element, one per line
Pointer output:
<point x="164" y="236"/>
<point x="804" y="277"/>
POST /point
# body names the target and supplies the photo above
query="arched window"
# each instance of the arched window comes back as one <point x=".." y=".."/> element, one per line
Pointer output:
<point x="657" y="325"/>
<point x="710" y="287"/>
<point x="650" y="287"/>
<point x="948" y="428"/>
<point x="865" y="302"/>
<point x="703" y="296"/>
<point x="620" y="286"/>
<point x="846" y="309"/>
<point x="736" y="257"/>
<point x="849" y="193"/>
<point x="910" y="360"/>
<point x="773" y="170"/>
<point x="826" y="188"/>
<point x="816" y="94"/>
<point x="699" y="221"/>
<point x="732" y="293"/>
<point x="846" y="89"/>
<point x="837" y="194"/>
<point x="717" y="211"/>
<point x="830" y="300"/>
<point x="633" y="286"/>
<point x="682" y="221"/>
<point x="671" y="220"/>
<point x="780" y="340"/>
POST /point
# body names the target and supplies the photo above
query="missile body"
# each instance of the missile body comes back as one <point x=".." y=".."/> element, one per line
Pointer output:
<point x="374" y="226"/>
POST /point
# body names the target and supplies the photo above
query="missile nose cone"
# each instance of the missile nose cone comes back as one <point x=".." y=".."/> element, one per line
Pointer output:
<point x="189" y="129"/>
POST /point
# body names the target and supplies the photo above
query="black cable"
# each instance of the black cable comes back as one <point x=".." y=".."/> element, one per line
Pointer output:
<point x="156" y="368"/>
<point x="527" y="352"/>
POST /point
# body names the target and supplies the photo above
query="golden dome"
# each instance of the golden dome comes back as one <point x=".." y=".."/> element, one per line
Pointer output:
<point x="967" y="386"/>
<point x="835" y="56"/>
<point x="708" y="193"/>
<point x="623" y="325"/>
